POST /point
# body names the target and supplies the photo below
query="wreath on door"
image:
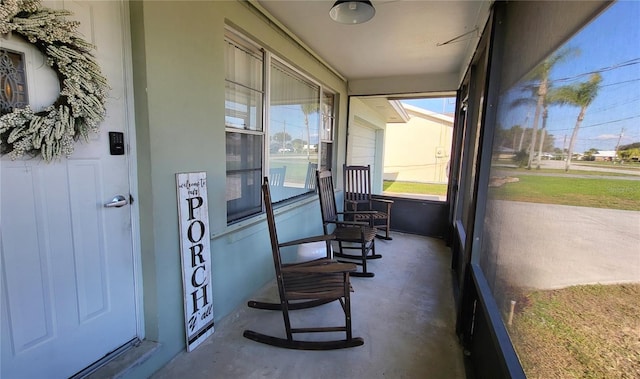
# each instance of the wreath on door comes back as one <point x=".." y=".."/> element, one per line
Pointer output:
<point x="80" y="106"/>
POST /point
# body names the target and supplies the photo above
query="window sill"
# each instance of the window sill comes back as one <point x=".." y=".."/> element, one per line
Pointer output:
<point x="252" y="225"/>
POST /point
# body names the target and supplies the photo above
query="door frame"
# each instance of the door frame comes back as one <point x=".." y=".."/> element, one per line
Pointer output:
<point x="131" y="151"/>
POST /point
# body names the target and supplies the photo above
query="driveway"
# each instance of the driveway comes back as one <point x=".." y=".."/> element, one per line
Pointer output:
<point x="545" y="246"/>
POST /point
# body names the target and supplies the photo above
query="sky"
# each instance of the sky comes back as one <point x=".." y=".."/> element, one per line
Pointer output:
<point x="446" y="105"/>
<point x="610" y="45"/>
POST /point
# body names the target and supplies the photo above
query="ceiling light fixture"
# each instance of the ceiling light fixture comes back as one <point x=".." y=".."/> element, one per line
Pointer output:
<point x="352" y="12"/>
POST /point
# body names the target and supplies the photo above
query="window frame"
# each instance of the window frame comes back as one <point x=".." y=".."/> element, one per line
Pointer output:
<point x="329" y="141"/>
<point x="16" y="83"/>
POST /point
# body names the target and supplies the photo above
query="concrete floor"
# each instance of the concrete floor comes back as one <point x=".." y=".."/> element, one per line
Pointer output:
<point x="405" y="315"/>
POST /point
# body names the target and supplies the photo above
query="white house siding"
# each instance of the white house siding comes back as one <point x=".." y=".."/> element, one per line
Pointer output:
<point x="362" y="145"/>
<point x="365" y="140"/>
<point x="418" y="150"/>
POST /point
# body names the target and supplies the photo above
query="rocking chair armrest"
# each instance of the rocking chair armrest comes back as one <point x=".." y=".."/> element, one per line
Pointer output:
<point x="319" y="238"/>
<point x="358" y="213"/>
<point x="348" y="223"/>
<point x="385" y="201"/>
<point x="329" y="268"/>
<point x="315" y="262"/>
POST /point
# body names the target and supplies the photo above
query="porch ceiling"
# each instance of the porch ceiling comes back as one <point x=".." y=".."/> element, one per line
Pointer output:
<point x="404" y="38"/>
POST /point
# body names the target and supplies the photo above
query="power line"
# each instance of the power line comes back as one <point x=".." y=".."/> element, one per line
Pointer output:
<point x="599" y="124"/>
<point x="623" y="82"/>
<point x="628" y="63"/>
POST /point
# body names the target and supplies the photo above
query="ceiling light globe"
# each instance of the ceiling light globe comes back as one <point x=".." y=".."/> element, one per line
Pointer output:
<point x="352" y="12"/>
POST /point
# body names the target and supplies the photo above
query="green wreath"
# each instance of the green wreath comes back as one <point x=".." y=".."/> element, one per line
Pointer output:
<point x="80" y="106"/>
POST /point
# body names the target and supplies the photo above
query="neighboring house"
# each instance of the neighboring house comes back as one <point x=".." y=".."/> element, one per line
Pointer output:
<point x="605" y="155"/>
<point x="418" y="150"/>
<point x="503" y="153"/>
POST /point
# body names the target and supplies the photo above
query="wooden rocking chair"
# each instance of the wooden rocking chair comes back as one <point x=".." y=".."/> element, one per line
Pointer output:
<point x="356" y="235"/>
<point x="357" y="197"/>
<point x="306" y="285"/>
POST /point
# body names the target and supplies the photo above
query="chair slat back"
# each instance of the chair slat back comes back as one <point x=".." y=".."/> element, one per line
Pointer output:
<point x="310" y="180"/>
<point x="327" y="197"/>
<point x="357" y="184"/>
<point x="276" y="176"/>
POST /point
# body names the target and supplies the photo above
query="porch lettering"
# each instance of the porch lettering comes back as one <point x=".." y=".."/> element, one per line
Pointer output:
<point x="193" y="207"/>
<point x="200" y="248"/>
<point x="200" y="230"/>
<point x="194" y="277"/>
<point x="195" y="298"/>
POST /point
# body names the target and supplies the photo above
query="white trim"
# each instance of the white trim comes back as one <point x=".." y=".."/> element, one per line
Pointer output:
<point x="131" y="155"/>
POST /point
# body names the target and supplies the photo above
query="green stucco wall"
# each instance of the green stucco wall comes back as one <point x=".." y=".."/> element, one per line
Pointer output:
<point x="179" y="87"/>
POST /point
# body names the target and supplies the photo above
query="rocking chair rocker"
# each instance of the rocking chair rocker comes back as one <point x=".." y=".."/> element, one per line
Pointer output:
<point x="306" y="285"/>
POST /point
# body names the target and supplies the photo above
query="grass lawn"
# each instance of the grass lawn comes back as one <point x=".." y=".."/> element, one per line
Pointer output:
<point x="297" y="167"/>
<point x="585" y="192"/>
<point x="579" y="332"/>
<point x="524" y="171"/>
<point x="412" y="187"/>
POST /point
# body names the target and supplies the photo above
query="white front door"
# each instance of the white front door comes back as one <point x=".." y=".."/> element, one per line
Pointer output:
<point x="68" y="279"/>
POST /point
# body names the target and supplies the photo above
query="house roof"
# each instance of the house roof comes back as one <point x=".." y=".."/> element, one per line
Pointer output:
<point x="424" y="113"/>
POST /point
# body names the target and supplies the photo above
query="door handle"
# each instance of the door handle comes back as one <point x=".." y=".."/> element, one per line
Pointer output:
<point x="116" y="202"/>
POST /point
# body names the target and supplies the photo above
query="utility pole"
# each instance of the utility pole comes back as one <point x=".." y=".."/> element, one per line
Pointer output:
<point x="618" y="144"/>
<point x="284" y="133"/>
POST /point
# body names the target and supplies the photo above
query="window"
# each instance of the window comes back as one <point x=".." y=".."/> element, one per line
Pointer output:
<point x="286" y="140"/>
<point x="560" y="237"/>
<point x="294" y="123"/>
<point x="244" y="98"/>
<point x="13" y="88"/>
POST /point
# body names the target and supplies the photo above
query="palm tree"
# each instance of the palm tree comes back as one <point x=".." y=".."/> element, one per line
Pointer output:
<point x="580" y="95"/>
<point x="308" y="108"/>
<point x="539" y="86"/>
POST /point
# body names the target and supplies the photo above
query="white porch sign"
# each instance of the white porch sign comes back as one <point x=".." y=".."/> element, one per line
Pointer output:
<point x="195" y="251"/>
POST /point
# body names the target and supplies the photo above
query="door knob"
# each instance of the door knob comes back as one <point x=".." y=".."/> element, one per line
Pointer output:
<point x="116" y="202"/>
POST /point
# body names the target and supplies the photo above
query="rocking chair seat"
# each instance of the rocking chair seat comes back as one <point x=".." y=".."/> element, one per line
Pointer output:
<point x="321" y="282"/>
<point x="355" y="234"/>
